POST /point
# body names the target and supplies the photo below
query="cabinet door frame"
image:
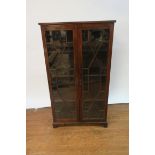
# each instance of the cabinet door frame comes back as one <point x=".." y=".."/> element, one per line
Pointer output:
<point x="87" y="26"/>
<point x="72" y="27"/>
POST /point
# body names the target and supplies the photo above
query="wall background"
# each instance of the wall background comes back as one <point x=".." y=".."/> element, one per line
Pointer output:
<point x="76" y="10"/>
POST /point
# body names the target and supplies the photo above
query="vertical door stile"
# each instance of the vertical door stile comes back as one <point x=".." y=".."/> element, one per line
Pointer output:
<point x="81" y="73"/>
<point x="79" y="79"/>
<point x="80" y="70"/>
<point x="76" y="64"/>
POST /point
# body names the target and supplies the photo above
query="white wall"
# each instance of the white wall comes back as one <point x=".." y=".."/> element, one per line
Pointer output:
<point x="76" y="10"/>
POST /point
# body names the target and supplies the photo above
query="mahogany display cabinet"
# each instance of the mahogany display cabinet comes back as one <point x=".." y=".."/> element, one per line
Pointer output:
<point x="78" y="61"/>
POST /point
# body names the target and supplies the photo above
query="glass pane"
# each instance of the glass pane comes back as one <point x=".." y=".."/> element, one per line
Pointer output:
<point x="61" y="62"/>
<point x="94" y="52"/>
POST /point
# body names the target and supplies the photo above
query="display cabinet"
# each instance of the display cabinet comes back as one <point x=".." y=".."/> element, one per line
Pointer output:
<point x="78" y="61"/>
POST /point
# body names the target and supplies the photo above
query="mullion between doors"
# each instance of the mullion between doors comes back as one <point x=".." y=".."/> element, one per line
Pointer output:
<point x="77" y="74"/>
<point x="79" y="32"/>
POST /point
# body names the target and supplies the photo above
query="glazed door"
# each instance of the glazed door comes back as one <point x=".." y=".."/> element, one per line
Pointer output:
<point x="94" y="50"/>
<point x="60" y="54"/>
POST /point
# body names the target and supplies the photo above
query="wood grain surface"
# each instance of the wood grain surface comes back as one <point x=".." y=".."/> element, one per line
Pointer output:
<point x="43" y="139"/>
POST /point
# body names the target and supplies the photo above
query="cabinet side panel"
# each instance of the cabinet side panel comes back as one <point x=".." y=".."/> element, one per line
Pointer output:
<point x="109" y="67"/>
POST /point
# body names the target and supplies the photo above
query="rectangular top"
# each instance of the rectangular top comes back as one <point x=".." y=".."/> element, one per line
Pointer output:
<point x="78" y="22"/>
